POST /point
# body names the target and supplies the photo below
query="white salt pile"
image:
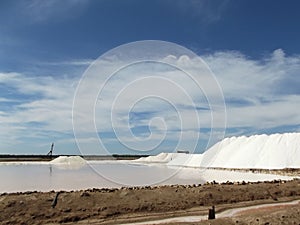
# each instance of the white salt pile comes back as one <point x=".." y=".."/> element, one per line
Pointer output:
<point x="74" y="161"/>
<point x="160" y="158"/>
<point x="276" y="151"/>
<point x="187" y="160"/>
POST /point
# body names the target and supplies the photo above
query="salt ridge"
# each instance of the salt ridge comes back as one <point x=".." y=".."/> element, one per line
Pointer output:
<point x="70" y="160"/>
<point x="276" y="151"/>
<point x="160" y="158"/>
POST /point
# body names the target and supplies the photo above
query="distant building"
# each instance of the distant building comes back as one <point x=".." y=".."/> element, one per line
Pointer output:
<point x="183" y="151"/>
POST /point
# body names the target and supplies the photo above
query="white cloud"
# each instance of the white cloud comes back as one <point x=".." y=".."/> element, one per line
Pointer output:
<point x="40" y="105"/>
<point x="262" y="83"/>
<point x="40" y="11"/>
<point x="7" y="100"/>
<point x="254" y="90"/>
<point x="205" y="11"/>
<point x="84" y="62"/>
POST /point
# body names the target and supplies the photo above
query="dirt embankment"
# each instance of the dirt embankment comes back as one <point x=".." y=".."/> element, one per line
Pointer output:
<point x="108" y="206"/>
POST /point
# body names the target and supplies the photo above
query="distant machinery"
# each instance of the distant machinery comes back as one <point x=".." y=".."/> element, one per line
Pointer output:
<point x="51" y="150"/>
<point x="183" y="151"/>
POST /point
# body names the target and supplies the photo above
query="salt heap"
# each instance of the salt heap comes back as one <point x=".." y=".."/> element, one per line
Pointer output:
<point x="160" y="158"/>
<point x="68" y="161"/>
<point x="274" y="151"/>
<point x="187" y="160"/>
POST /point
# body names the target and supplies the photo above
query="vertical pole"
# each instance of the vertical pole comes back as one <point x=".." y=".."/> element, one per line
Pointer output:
<point x="211" y="213"/>
<point x="51" y="149"/>
<point x="52" y="146"/>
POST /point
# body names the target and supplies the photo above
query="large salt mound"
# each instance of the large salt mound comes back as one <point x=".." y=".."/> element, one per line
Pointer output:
<point x="274" y="151"/>
<point x="186" y="160"/>
<point x="160" y="158"/>
<point x="68" y="160"/>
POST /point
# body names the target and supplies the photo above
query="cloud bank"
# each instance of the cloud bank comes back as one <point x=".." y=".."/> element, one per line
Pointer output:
<point x="260" y="95"/>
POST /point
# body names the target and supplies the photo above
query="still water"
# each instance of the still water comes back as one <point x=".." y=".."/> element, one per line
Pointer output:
<point x="15" y="177"/>
<point x="44" y="176"/>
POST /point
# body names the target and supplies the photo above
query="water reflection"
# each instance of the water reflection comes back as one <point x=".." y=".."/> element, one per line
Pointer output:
<point x="50" y="169"/>
<point x="47" y="177"/>
<point x="16" y="177"/>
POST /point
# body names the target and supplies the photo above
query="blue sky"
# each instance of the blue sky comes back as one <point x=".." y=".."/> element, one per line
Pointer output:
<point x="252" y="48"/>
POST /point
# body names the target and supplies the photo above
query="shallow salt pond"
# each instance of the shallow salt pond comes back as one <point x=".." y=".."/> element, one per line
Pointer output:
<point x="44" y="176"/>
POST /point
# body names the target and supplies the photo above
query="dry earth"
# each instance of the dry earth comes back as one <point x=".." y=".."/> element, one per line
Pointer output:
<point x="115" y="206"/>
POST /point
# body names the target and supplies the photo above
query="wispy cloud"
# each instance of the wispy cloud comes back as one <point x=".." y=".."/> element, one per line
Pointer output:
<point x="260" y="94"/>
<point x="41" y="11"/>
<point x="39" y="106"/>
<point x="205" y="11"/>
<point x="265" y="88"/>
<point x="83" y="62"/>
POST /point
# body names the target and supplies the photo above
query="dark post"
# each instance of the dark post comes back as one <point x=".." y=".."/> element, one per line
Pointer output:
<point x="51" y="150"/>
<point x="211" y="213"/>
<point x="54" y="202"/>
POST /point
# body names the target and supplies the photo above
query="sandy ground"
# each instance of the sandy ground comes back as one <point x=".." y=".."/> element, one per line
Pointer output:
<point x="125" y="205"/>
<point x="288" y="215"/>
<point x="229" y="213"/>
